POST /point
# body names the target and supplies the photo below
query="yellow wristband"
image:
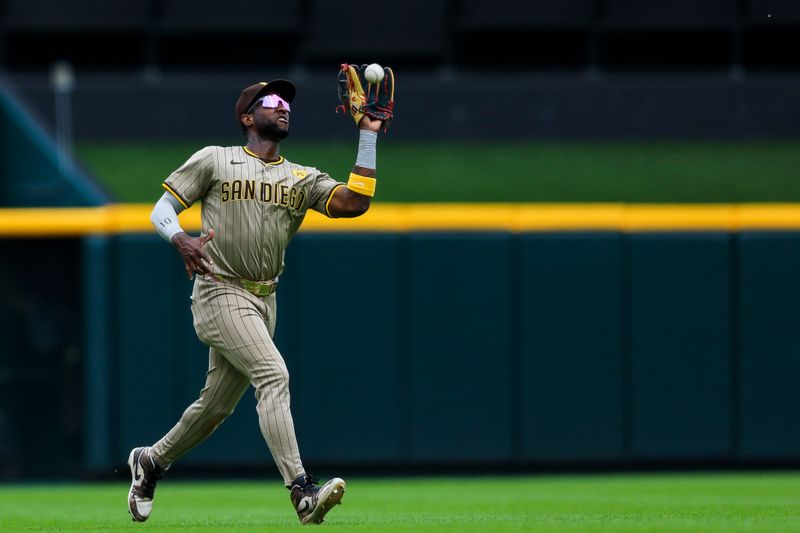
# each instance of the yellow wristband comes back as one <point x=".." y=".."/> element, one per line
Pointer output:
<point x="361" y="184"/>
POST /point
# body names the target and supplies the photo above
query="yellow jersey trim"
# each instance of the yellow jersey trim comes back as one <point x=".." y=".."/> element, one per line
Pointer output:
<point x="403" y="218"/>
<point x="173" y="193"/>
<point x="248" y="152"/>
<point x="330" y="197"/>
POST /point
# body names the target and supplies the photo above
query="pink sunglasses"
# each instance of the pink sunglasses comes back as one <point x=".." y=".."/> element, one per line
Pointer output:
<point x="271" y="101"/>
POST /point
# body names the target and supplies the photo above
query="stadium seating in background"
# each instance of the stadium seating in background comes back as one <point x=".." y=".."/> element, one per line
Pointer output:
<point x="94" y="33"/>
<point x="674" y="34"/>
<point x="195" y="33"/>
<point x="770" y="34"/>
<point x="522" y="34"/>
<point x="409" y="32"/>
<point x="465" y="35"/>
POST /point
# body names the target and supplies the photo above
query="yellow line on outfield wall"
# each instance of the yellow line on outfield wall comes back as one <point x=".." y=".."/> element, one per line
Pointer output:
<point x="135" y="218"/>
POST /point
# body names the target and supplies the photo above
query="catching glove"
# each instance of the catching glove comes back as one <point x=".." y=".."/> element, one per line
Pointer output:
<point x="359" y="98"/>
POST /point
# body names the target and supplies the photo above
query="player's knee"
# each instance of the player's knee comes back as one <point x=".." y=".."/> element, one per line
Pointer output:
<point x="279" y="378"/>
<point x="276" y="379"/>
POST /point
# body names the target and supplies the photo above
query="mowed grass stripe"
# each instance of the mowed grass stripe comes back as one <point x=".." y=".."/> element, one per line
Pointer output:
<point x="635" y="503"/>
<point x="634" y="172"/>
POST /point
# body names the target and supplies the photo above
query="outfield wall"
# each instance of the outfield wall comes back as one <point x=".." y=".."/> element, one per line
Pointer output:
<point x="571" y="344"/>
<point x="485" y="347"/>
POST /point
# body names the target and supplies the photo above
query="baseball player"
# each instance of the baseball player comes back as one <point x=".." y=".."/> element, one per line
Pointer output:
<point x="253" y="201"/>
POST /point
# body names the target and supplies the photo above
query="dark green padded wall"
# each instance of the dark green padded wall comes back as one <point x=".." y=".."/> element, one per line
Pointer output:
<point x="341" y="304"/>
<point x="458" y="348"/>
<point x="145" y="340"/>
<point x="570" y="344"/>
<point x="679" y="320"/>
<point x="769" y="345"/>
<point x="459" y="327"/>
<point x="98" y="356"/>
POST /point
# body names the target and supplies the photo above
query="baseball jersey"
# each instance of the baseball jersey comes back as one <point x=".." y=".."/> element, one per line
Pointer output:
<point x="254" y="207"/>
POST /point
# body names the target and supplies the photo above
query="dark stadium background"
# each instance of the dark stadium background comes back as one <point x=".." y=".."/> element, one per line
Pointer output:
<point x="488" y="350"/>
<point x="587" y="69"/>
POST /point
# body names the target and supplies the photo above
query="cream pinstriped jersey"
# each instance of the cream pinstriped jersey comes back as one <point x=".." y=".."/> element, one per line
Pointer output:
<point x="254" y="207"/>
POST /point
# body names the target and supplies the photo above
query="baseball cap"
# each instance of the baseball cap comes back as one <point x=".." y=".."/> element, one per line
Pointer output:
<point x="283" y="88"/>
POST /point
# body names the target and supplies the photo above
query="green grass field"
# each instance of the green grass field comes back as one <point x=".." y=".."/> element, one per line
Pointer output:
<point x="619" y="503"/>
<point x="508" y="172"/>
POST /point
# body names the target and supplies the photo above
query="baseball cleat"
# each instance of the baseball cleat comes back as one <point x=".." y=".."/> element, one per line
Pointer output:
<point x="145" y="474"/>
<point x="313" y="503"/>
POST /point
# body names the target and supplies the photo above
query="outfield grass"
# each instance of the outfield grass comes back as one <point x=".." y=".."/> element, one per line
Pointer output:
<point x="618" y="503"/>
<point x="506" y="172"/>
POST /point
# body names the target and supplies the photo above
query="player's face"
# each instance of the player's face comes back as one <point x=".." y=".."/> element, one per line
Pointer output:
<point x="271" y="117"/>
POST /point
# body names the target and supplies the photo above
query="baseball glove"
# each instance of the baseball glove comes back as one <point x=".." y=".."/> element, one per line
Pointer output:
<point x="359" y="98"/>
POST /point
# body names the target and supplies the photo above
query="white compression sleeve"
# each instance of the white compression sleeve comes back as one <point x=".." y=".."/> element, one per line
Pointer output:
<point x="366" y="148"/>
<point x="165" y="216"/>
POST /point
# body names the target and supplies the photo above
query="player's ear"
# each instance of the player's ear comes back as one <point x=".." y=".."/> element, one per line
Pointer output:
<point x="247" y="120"/>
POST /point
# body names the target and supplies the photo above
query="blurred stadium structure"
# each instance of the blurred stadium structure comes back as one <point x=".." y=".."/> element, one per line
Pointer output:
<point x="627" y="345"/>
<point x="549" y="69"/>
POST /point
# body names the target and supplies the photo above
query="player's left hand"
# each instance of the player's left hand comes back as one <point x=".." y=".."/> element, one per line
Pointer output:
<point x="195" y="259"/>
<point x="368" y="123"/>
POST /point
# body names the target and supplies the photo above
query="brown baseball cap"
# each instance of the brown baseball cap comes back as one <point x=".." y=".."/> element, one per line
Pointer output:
<point x="283" y="88"/>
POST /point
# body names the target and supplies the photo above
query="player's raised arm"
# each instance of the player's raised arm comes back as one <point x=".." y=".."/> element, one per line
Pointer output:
<point x="367" y="92"/>
<point x="354" y="200"/>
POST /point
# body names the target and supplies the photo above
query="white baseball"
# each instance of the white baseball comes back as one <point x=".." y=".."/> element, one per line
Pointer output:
<point x="374" y="73"/>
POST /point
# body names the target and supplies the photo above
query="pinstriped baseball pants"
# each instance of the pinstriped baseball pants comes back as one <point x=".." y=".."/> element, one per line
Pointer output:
<point x="238" y="327"/>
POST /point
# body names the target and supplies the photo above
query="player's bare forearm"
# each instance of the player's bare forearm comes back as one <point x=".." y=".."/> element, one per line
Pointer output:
<point x="363" y="171"/>
<point x="348" y="204"/>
